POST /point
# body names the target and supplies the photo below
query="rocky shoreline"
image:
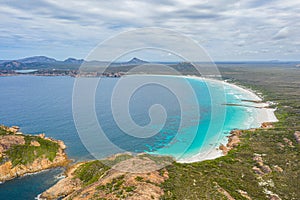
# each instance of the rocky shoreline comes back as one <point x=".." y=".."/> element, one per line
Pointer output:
<point x="12" y="141"/>
<point x="233" y="141"/>
<point x="234" y="138"/>
<point x="65" y="186"/>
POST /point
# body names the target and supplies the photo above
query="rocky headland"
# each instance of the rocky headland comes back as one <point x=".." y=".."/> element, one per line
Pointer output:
<point x="21" y="154"/>
<point x="122" y="176"/>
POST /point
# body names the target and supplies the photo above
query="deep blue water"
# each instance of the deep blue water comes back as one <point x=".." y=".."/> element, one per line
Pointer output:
<point x="44" y="105"/>
<point x="29" y="186"/>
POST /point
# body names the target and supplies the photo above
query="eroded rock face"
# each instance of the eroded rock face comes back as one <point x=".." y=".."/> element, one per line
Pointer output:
<point x="8" y="171"/>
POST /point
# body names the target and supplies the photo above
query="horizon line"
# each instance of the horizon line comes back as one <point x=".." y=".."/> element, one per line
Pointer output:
<point x="161" y="61"/>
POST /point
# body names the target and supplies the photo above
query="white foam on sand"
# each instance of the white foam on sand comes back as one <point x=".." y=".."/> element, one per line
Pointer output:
<point x="209" y="155"/>
<point x="264" y="113"/>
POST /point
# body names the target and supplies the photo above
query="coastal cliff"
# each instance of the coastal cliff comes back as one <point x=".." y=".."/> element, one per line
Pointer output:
<point x="21" y="154"/>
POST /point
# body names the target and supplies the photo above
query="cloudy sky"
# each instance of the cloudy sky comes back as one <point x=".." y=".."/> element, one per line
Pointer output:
<point x="227" y="29"/>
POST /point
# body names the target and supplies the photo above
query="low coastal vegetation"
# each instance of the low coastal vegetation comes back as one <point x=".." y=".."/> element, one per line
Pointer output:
<point x="90" y="172"/>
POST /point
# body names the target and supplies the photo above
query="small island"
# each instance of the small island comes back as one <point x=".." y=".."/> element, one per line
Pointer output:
<point x="21" y="154"/>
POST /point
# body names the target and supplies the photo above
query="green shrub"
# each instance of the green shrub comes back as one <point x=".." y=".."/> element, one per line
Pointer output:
<point x="90" y="172"/>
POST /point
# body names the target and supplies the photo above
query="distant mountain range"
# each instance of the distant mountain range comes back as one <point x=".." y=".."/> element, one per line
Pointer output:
<point x="43" y="62"/>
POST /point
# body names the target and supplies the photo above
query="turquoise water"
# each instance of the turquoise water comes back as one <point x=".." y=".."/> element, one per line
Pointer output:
<point x="44" y="104"/>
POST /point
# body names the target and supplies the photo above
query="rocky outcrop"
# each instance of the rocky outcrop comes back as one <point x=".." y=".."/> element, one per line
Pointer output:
<point x="7" y="141"/>
<point x="288" y="142"/>
<point x="13" y="129"/>
<point x="224" y="149"/>
<point x="267" y="125"/>
<point x="233" y="141"/>
<point x="297" y="136"/>
<point x="35" y="143"/>
<point x="277" y="169"/>
<point x="274" y="197"/>
<point x="261" y="168"/>
<point x="257" y="170"/>
<point x="244" y="194"/>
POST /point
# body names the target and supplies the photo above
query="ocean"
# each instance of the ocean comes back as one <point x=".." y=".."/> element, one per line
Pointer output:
<point x="195" y="123"/>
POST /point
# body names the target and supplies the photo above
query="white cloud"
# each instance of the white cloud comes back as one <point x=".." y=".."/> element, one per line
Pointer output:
<point x="73" y="28"/>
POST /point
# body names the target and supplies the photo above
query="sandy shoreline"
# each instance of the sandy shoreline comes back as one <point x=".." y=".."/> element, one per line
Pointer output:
<point x="263" y="114"/>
